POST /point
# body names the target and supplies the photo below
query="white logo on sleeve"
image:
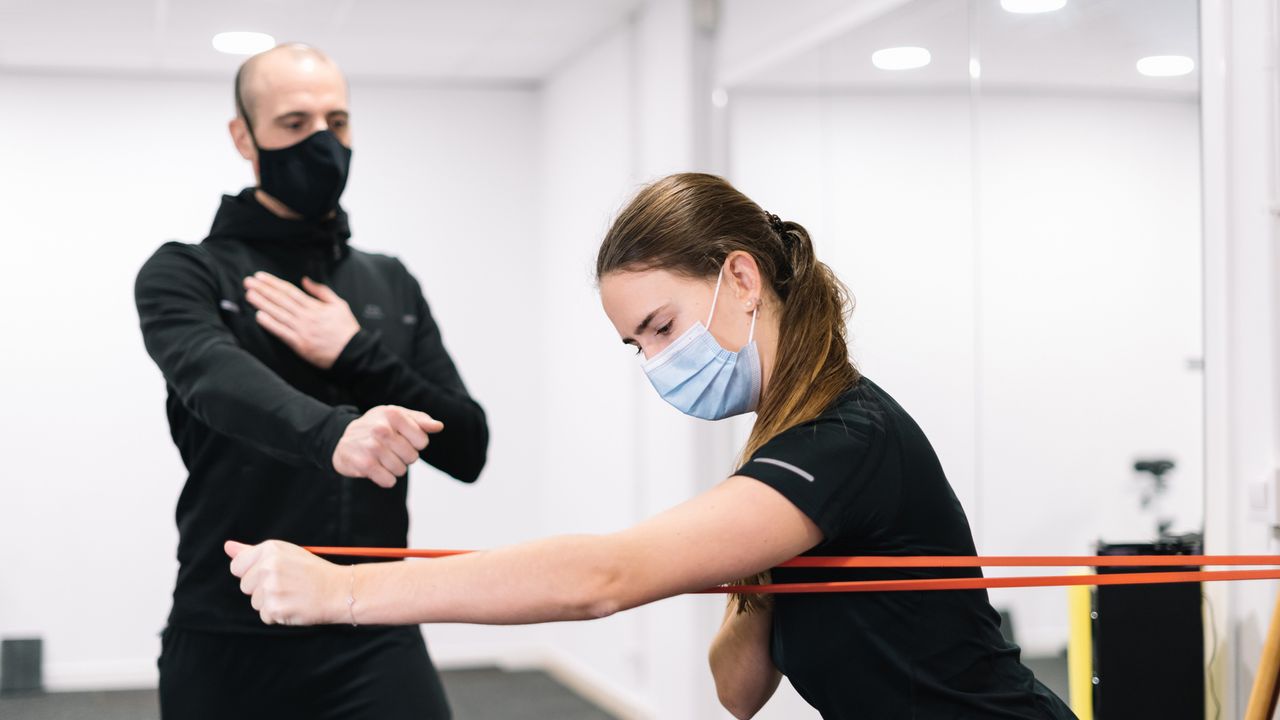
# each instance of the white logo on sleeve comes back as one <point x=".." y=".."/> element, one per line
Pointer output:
<point x="785" y="466"/>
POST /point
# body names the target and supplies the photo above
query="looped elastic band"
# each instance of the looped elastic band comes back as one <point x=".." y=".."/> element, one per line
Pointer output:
<point x="948" y="561"/>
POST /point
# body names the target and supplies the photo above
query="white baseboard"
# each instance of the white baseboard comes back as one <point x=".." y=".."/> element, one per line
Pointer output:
<point x="465" y="656"/>
<point x="101" y="675"/>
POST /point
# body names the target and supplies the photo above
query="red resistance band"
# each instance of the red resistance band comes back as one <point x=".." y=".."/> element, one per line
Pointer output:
<point x="1139" y="578"/>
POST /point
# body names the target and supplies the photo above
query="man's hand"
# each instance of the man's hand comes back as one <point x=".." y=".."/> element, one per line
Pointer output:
<point x="316" y="324"/>
<point x="288" y="585"/>
<point x="383" y="443"/>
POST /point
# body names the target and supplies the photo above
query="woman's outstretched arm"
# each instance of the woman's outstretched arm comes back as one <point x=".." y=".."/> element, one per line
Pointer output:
<point x="736" y="529"/>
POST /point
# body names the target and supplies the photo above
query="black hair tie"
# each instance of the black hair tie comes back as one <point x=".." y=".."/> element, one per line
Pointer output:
<point x="775" y="222"/>
<point x="786" y="271"/>
<point x="779" y="227"/>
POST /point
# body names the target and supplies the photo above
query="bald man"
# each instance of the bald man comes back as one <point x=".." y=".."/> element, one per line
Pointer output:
<point x="304" y="377"/>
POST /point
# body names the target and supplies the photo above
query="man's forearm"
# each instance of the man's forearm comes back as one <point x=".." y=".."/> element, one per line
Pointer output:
<point x="233" y="394"/>
<point x="376" y="376"/>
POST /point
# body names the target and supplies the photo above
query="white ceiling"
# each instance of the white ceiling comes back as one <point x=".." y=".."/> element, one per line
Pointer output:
<point x="1090" y="45"/>
<point x="502" y="40"/>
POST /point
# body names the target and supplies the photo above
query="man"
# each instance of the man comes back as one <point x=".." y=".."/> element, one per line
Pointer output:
<point x="295" y="418"/>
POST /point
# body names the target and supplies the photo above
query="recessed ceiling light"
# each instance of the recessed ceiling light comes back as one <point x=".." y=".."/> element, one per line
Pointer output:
<point x="1029" y="7"/>
<point x="242" y="43"/>
<point x="1166" y="65"/>
<point x="975" y="68"/>
<point x="900" y="58"/>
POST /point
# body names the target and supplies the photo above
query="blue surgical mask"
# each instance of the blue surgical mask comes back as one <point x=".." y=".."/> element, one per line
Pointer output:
<point x="702" y="379"/>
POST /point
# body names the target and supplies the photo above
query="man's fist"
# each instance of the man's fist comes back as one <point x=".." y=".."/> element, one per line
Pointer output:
<point x="316" y="324"/>
<point x="383" y="443"/>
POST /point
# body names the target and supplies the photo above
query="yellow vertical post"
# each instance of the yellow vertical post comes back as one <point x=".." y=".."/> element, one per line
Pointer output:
<point x="1080" y="650"/>
<point x="1266" y="683"/>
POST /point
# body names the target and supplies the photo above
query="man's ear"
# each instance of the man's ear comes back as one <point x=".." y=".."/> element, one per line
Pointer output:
<point x="243" y="142"/>
<point x="742" y="273"/>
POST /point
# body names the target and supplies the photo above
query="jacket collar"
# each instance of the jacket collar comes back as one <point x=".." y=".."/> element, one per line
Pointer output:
<point x="242" y="217"/>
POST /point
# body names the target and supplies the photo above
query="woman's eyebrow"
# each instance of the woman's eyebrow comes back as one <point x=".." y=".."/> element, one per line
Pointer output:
<point x="644" y="324"/>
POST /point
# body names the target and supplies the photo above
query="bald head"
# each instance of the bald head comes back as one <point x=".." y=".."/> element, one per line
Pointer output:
<point x="291" y="69"/>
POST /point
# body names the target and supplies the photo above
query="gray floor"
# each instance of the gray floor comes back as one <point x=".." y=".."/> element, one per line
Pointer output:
<point x="482" y="694"/>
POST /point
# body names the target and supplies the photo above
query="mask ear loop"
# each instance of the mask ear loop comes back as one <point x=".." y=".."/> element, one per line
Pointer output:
<point x="755" y="308"/>
<point x="244" y="112"/>
<point x="715" y="296"/>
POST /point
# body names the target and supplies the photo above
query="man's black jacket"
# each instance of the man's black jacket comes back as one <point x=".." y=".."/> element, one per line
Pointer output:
<point x="257" y="425"/>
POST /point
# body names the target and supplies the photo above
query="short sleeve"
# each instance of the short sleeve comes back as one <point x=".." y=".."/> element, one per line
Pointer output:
<point x="823" y="468"/>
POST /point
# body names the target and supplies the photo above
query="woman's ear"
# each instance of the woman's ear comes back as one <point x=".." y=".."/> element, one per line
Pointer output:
<point x="742" y="274"/>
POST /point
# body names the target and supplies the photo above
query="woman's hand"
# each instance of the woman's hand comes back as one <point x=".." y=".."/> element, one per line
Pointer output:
<point x="288" y="585"/>
<point x="740" y="662"/>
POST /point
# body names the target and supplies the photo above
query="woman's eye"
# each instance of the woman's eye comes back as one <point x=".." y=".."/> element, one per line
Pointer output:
<point x="665" y="329"/>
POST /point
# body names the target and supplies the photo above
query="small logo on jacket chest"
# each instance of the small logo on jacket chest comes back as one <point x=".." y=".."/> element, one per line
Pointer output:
<point x="374" y="312"/>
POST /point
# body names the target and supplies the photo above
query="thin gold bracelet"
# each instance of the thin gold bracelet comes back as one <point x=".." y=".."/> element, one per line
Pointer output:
<point x="351" y="596"/>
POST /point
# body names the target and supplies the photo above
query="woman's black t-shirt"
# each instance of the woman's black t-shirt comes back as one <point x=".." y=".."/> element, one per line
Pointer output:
<point x="868" y="478"/>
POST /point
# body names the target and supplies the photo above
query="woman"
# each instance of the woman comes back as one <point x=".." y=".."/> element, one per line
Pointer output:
<point x="833" y="467"/>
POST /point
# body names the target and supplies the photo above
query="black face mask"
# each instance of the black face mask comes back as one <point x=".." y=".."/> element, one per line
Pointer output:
<point x="308" y="176"/>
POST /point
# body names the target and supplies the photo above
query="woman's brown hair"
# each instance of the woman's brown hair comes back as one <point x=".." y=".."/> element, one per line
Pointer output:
<point x="688" y="224"/>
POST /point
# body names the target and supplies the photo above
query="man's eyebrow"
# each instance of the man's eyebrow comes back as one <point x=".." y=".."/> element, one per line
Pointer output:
<point x="295" y="115"/>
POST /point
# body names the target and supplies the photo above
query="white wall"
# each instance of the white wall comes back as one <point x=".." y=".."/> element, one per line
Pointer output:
<point x="1090" y="313"/>
<point x="1043" y="344"/>
<point x="1242" y="289"/>
<point x="588" y="383"/>
<point x="97" y="172"/>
